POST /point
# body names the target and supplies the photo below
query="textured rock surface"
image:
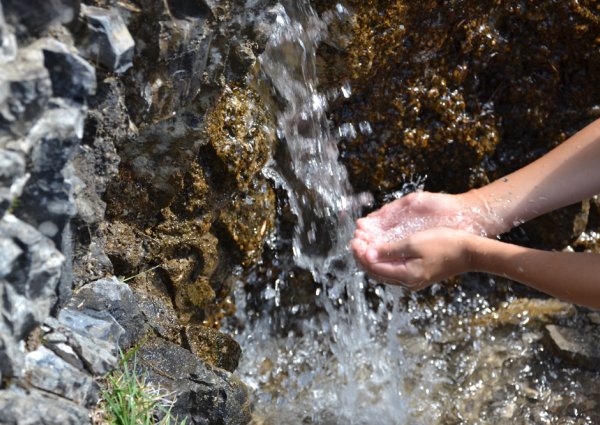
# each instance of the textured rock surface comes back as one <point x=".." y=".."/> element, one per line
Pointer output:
<point x="452" y="102"/>
<point x="204" y="395"/>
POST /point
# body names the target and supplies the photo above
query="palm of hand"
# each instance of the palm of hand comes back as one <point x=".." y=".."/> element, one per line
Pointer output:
<point x="417" y="212"/>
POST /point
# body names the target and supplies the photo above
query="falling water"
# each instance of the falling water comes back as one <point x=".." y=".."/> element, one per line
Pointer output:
<point x="361" y="356"/>
<point x="340" y="367"/>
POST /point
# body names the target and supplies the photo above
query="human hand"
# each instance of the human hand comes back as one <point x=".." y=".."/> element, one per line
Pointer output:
<point x="418" y="260"/>
<point x="422" y="210"/>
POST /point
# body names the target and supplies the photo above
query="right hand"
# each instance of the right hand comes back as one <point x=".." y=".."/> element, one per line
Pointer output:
<point x="422" y="210"/>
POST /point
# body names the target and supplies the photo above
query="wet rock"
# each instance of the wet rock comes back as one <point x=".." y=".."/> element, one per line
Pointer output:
<point x="33" y="17"/>
<point x="523" y="310"/>
<point x="214" y="347"/>
<point x="28" y="407"/>
<point x="109" y="296"/>
<point x="204" y="395"/>
<point x="108" y="40"/>
<point x="72" y="76"/>
<point x="30" y="280"/>
<point x="48" y="372"/>
<point x="575" y="346"/>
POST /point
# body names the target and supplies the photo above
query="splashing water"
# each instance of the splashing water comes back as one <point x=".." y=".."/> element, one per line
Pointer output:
<point x="341" y="366"/>
<point x="361" y="356"/>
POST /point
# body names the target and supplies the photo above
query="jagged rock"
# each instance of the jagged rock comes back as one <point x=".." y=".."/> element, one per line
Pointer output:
<point x="203" y="394"/>
<point x="72" y="76"/>
<point x="11" y="356"/>
<point x="116" y="298"/>
<point x="213" y="347"/>
<point x="34" y="16"/>
<point x="94" y="324"/>
<point x="48" y="372"/>
<point x="48" y="194"/>
<point x="12" y="179"/>
<point x="108" y="40"/>
<point x="578" y="347"/>
<point x="8" y="41"/>
<point x="25" y="89"/>
<point x="21" y="407"/>
<point x="30" y="280"/>
<point x="94" y="339"/>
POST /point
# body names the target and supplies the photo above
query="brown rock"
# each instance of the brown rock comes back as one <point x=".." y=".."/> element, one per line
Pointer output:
<point x="213" y="347"/>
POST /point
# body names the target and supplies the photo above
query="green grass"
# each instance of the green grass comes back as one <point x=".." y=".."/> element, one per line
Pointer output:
<point x="130" y="400"/>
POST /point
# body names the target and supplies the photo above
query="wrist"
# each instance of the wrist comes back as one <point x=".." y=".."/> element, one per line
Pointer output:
<point x="490" y="221"/>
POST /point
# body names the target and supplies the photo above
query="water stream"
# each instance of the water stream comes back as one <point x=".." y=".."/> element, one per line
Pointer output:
<point x="356" y="352"/>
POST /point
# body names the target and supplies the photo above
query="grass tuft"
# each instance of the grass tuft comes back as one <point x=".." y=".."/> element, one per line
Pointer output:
<point x="130" y="400"/>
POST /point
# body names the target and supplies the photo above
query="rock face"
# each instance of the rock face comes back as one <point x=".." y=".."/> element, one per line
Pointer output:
<point x="453" y="102"/>
<point x="131" y="144"/>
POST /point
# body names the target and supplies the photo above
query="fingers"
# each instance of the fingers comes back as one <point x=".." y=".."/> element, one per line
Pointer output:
<point x="388" y="252"/>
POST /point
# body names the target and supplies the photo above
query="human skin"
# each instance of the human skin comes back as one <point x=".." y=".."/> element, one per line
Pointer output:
<point x="453" y="238"/>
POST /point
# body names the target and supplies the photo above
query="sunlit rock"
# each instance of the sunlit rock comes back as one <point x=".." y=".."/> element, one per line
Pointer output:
<point x="108" y="40"/>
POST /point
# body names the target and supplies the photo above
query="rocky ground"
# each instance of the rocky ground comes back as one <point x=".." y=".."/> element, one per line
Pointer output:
<point x="131" y="144"/>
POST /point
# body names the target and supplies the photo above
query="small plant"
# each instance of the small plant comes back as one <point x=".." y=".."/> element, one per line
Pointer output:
<point x="130" y="400"/>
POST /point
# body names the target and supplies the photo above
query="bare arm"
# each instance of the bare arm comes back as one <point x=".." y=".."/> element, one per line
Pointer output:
<point x="567" y="174"/>
<point x="436" y="254"/>
<point x="571" y="276"/>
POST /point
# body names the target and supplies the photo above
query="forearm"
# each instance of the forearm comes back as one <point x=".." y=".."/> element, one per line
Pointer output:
<point x="567" y="174"/>
<point x="567" y="275"/>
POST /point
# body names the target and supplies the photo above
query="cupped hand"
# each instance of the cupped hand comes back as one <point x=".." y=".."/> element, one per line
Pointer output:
<point x="423" y="210"/>
<point x="418" y="260"/>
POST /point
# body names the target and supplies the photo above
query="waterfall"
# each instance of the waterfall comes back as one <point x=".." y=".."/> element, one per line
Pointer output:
<point x="343" y="366"/>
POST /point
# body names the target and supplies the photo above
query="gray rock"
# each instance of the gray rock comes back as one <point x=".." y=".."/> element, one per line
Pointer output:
<point x="25" y="89"/>
<point x="46" y="371"/>
<point x="21" y="407"/>
<point x="35" y="16"/>
<point x="84" y="341"/>
<point x="12" y="179"/>
<point x="12" y="357"/>
<point x="574" y="346"/>
<point x="48" y="195"/>
<point x="29" y="283"/>
<point x="8" y="41"/>
<point x="98" y="325"/>
<point x="203" y="395"/>
<point x="116" y="298"/>
<point x="108" y="40"/>
<point x="71" y="75"/>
